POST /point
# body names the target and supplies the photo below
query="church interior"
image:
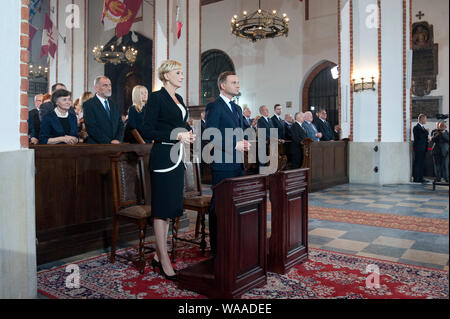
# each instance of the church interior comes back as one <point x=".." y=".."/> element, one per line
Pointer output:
<point x="358" y="218"/>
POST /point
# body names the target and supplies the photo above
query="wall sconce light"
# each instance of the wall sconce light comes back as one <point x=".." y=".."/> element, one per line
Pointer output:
<point x="362" y="86"/>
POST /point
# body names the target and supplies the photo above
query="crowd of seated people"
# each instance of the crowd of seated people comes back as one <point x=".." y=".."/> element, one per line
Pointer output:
<point x="92" y="118"/>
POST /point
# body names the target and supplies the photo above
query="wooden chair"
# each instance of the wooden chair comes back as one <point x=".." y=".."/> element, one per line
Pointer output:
<point x="196" y="201"/>
<point x="128" y="179"/>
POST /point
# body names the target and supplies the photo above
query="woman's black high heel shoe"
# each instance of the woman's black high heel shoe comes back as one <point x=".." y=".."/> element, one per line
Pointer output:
<point x="156" y="264"/>
<point x="171" y="278"/>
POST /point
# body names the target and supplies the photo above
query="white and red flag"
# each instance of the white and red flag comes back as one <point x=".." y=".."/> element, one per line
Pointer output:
<point x="179" y="19"/>
<point x="49" y="38"/>
<point x="120" y="15"/>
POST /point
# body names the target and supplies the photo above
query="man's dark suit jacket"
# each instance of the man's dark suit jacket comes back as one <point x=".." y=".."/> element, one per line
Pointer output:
<point x="100" y="128"/>
<point x="51" y="127"/>
<point x="245" y="123"/>
<point x="440" y="143"/>
<point x="420" y="138"/>
<point x="267" y="125"/>
<point x="325" y="129"/>
<point x="298" y="135"/>
<point x="219" y="116"/>
<point x="161" y="116"/>
<point x="420" y="148"/>
<point x="280" y="126"/>
<point x="287" y="131"/>
<point x="34" y="123"/>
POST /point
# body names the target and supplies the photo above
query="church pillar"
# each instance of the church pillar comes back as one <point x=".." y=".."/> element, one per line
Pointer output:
<point x="185" y="49"/>
<point x="375" y="47"/>
<point x="17" y="211"/>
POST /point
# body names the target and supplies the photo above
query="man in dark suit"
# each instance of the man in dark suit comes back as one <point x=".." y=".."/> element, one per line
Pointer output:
<point x="34" y="122"/>
<point x="288" y="122"/>
<point x="224" y="114"/>
<point x="440" y="139"/>
<point x="278" y="122"/>
<point x="420" y="148"/>
<point x="247" y="120"/>
<point x="265" y="122"/>
<point x="324" y="127"/>
<point x="102" y="116"/>
<point x="298" y="135"/>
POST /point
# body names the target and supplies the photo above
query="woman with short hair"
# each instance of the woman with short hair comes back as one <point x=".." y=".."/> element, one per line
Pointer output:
<point x="164" y="123"/>
<point x="60" y="126"/>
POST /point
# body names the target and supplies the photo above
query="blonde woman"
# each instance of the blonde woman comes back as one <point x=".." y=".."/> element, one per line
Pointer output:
<point x="136" y="115"/>
<point x="166" y="113"/>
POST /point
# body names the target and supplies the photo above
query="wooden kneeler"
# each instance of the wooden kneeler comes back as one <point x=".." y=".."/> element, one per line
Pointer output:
<point x="288" y="244"/>
<point x="240" y="263"/>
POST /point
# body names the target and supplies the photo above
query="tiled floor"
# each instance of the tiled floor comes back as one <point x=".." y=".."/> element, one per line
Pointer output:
<point x="417" y="248"/>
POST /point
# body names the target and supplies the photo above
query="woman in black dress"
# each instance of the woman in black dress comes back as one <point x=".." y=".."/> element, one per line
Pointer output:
<point x="136" y="116"/>
<point x="164" y="124"/>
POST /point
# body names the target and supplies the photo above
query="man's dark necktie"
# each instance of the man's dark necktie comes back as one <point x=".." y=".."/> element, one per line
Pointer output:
<point x="235" y="111"/>
<point x="107" y="109"/>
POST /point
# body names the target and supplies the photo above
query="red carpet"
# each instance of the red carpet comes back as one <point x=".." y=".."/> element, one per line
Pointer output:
<point x="325" y="275"/>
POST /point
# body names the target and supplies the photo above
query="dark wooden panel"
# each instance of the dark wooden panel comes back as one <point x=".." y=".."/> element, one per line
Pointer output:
<point x="74" y="198"/>
<point x="288" y="244"/>
<point x="240" y="263"/>
<point x="248" y="240"/>
<point x="295" y="231"/>
<point x="329" y="164"/>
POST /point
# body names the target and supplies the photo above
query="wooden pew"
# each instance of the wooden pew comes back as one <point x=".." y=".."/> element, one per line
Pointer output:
<point x="288" y="244"/>
<point x="74" y="199"/>
<point x="240" y="263"/>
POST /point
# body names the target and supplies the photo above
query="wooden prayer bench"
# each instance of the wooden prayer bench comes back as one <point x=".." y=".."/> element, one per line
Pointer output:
<point x="288" y="244"/>
<point x="240" y="263"/>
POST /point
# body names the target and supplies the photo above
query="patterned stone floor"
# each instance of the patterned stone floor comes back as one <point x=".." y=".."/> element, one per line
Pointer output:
<point x="410" y="247"/>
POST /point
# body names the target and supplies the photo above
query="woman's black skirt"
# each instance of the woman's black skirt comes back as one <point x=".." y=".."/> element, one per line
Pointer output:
<point x="167" y="193"/>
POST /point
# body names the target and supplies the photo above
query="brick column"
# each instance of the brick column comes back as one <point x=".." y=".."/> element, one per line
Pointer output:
<point x="24" y="69"/>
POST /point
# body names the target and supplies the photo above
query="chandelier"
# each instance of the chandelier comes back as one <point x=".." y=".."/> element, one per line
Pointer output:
<point x="115" y="54"/>
<point x="36" y="72"/>
<point x="259" y="25"/>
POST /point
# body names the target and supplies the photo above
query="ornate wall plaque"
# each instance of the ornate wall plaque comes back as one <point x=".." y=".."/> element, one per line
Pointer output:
<point x="430" y="106"/>
<point x="425" y="59"/>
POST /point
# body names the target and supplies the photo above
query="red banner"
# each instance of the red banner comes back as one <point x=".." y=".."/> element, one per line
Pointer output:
<point x="120" y="14"/>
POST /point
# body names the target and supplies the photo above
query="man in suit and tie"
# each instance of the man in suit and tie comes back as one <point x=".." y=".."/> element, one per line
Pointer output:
<point x="298" y="135"/>
<point x="324" y="127"/>
<point x="288" y="122"/>
<point x="247" y="118"/>
<point x="310" y="128"/>
<point x="34" y="121"/>
<point x="265" y="122"/>
<point x="102" y="117"/>
<point x="420" y="148"/>
<point x="224" y="114"/>
<point x="278" y="123"/>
